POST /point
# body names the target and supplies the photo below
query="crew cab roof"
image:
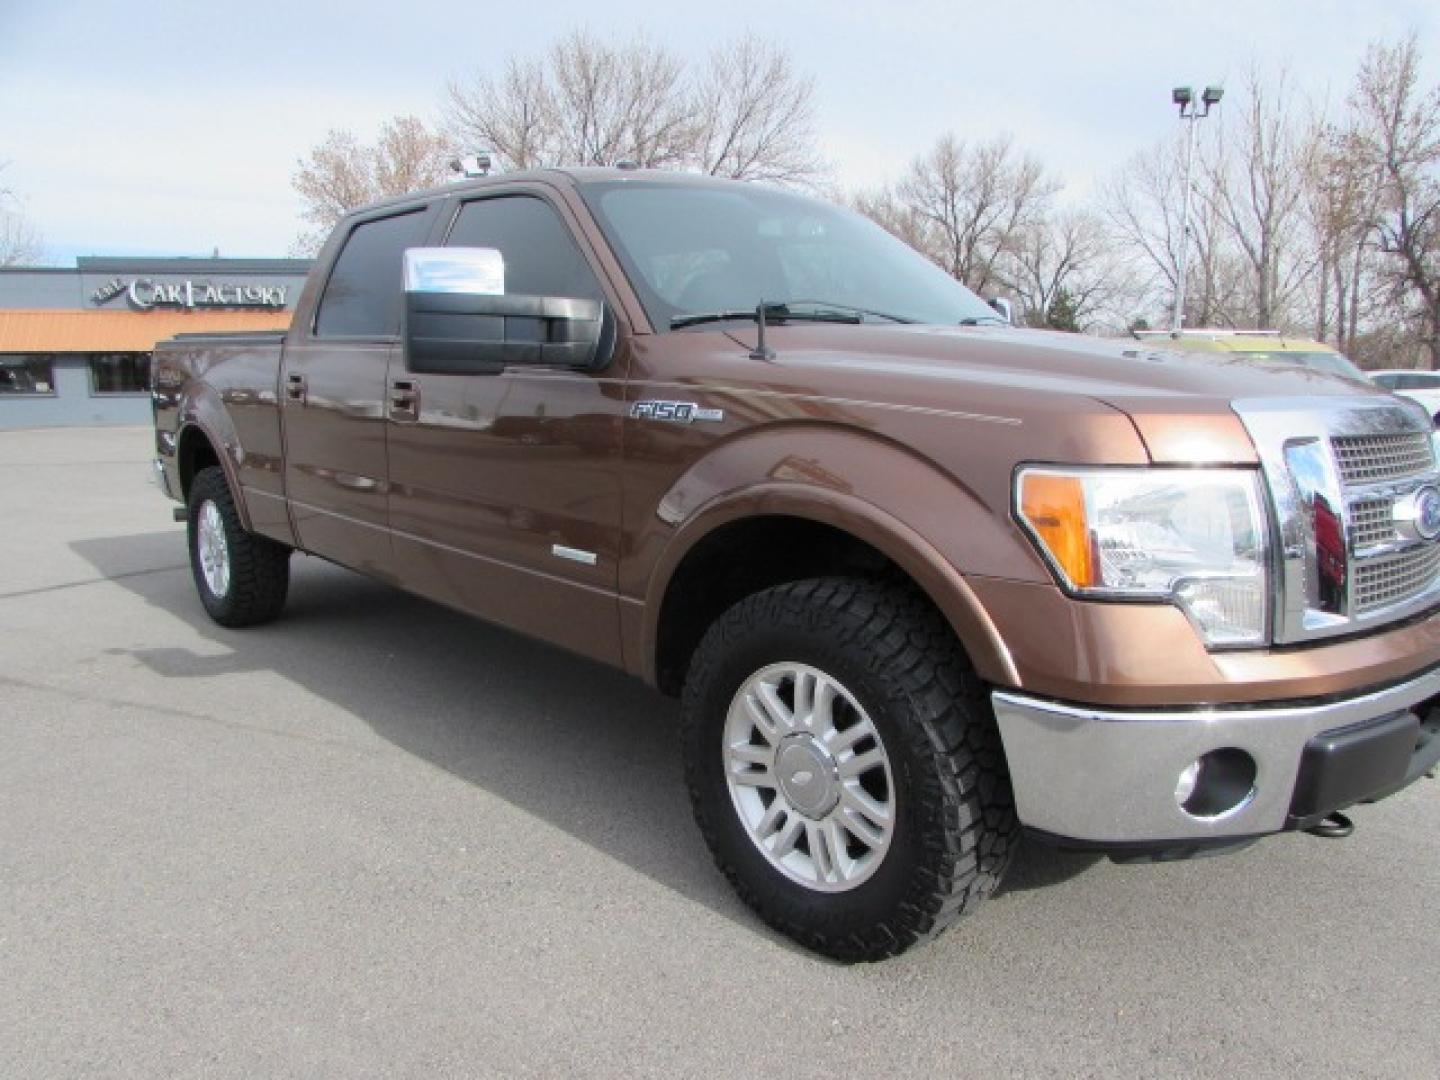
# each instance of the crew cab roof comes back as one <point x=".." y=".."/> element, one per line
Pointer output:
<point x="573" y="176"/>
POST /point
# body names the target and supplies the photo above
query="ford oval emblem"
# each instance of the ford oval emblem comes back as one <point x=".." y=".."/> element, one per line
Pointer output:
<point x="1427" y="512"/>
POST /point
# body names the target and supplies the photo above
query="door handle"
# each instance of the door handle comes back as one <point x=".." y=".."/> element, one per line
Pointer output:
<point x="404" y="400"/>
<point x="295" y="388"/>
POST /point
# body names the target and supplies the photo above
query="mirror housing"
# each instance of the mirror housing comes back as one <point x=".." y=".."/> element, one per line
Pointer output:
<point x="459" y="321"/>
<point x="1003" y="307"/>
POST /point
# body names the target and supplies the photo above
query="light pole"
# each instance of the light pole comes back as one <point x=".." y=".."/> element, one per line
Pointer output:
<point x="1193" y="111"/>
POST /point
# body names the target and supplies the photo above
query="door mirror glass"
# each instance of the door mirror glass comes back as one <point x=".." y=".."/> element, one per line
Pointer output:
<point x="472" y="271"/>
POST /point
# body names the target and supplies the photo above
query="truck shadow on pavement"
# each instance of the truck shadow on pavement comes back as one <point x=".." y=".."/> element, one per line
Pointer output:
<point x="579" y="745"/>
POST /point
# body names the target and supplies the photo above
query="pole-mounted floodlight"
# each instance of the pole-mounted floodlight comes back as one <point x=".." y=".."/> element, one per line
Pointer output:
<point x="1183" y="97"/>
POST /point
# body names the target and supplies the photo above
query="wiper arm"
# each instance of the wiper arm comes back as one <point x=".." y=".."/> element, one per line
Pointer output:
<point x="775" y="312"/>
<point x="985" y="320"/>
<point x="834" y="306"/>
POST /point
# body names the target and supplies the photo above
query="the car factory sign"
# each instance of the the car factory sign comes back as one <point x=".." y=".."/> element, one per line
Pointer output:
<point x="143" y="294"/>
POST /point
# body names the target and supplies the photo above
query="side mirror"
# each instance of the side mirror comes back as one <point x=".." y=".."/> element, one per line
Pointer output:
<point x="1004" y="307"/>
<point x="459" y="320"/>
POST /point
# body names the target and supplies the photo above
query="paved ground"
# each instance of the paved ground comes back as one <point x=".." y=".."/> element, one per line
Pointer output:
<point x="378" y="839"/>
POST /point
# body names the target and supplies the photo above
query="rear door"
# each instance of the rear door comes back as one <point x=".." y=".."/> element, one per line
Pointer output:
<point x="333" y="394"/>
<point x="505" y="489"/>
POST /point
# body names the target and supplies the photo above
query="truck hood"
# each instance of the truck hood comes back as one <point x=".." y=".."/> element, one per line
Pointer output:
<point x="1179" y="402"/>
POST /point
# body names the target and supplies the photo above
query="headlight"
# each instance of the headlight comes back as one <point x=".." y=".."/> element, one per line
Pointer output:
<point x="1193" y="537"/>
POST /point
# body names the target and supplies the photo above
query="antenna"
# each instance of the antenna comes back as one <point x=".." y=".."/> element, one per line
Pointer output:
<point x="761" y="351"/>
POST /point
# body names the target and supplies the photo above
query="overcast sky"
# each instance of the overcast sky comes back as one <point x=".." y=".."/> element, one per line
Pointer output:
<point x="168" y="127"/>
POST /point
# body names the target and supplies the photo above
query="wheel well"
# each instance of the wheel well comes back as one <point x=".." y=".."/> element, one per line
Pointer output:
<point x="193" y="454"/>
<point x="746" y="557"/>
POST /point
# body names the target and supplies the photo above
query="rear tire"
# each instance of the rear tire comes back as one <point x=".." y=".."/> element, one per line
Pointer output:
<point x="242" y="578"/>
<point x="911" y="822"/>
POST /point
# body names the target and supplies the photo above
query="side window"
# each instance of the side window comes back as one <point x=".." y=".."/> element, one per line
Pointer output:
<point x="541" y="258"/>
<point x="362" y="297"/>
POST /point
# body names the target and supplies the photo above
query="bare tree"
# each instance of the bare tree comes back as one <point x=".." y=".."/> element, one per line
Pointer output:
<point x="1398" y="134"/>
<point x="1066" y="258"/>
<point x="744" y="114"/>
<point x="884" y="207"/>
<point x="513" y="119"/>
<point x="617" y="103"/>
<point x="968" y="205"/>
<point x="1341" y="207"/>
<point x="755" y="119"/>
<point x="20" y="241"/>
<point x="1257" y="191"/>
<point x="1142" y="203"/>
<point x="343" y="173"/>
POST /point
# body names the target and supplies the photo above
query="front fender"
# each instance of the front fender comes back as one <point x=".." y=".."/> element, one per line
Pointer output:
<point x="922" y="519"/>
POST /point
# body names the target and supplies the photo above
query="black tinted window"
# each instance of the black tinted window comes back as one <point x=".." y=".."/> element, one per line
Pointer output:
<point x="541" y="258"/>
<point x="1416" y="382"/>
<point x="362" y="297"/>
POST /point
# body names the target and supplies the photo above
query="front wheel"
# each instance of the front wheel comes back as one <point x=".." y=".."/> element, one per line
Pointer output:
<point x="242" y="578"/>
<point x="844" y="766"/>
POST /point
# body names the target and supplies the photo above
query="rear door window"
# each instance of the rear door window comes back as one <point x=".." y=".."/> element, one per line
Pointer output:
<point x="362" y="297"/>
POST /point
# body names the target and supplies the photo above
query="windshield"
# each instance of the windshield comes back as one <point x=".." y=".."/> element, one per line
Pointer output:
<point x="1331" y="362"/>
<point x="693" y="249"/>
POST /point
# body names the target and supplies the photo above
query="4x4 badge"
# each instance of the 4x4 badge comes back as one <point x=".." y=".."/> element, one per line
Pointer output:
<point x="675" y="412"/>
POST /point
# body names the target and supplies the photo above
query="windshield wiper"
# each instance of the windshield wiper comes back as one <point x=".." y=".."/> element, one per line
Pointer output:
<point x="833" y="305"/>
<point x="985" y="320"/>
<point x="773" y="312"/>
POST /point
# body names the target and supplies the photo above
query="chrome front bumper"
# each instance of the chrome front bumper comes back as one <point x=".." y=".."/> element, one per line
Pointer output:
<point x="160" y="478"/>
<point x="1107" y="776"/>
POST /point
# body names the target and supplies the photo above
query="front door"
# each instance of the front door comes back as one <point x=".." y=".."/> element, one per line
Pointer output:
<point x="505" y="489"/>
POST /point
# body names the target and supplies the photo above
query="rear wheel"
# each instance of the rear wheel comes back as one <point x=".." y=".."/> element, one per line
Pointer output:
<point x="242" y="578"/>
<point x="844" y="766"/>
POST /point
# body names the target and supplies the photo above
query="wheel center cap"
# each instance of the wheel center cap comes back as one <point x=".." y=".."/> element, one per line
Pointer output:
<point x="807" y="776"/>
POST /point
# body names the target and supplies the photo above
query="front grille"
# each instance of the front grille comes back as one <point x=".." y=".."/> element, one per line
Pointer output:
<point x="1372" y="522"/>
<point x="1362" y="459"/>
<point x="1393" y="579"/>
<point x="1370" y="459"/>
<point x="1378" y="582"/>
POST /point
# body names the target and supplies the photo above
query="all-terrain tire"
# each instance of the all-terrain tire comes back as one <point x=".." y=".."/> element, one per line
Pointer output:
<point x="249" y="575"/>
<point x="955" y="827"/>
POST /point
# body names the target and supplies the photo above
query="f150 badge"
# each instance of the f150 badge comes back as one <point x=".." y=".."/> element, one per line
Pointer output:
<point x="675" y="412"/>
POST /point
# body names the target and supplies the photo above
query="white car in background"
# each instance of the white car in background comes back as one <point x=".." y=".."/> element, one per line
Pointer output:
<point x="1421" y="386"/>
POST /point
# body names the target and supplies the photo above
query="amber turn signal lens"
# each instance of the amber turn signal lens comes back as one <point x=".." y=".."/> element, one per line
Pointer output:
<point x="1054" y="507"/>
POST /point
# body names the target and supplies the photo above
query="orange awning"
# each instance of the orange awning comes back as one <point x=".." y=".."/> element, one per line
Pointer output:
<point x="62" y="331"/>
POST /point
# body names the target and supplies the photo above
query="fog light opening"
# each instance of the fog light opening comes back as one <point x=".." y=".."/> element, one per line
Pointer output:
<point x="1216" y="784"/>
<point x="1189" y="777"/>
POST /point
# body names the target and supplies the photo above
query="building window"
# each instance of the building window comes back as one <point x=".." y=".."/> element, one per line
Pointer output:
<point x="21" y="374"/>
<point x="120" y="373"/>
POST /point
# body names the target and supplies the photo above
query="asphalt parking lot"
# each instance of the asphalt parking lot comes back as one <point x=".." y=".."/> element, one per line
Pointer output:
<point x="379" y="839"/>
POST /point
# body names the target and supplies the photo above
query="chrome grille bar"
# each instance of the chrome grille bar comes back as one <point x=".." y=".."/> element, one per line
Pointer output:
<point x="1392" y="579"/>
<point x="1372" y="523"/>
<point x="1372" y="459"/>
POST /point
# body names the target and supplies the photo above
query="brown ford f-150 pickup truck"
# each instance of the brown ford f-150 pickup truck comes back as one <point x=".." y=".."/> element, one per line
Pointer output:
<point x="921" y="579"/>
